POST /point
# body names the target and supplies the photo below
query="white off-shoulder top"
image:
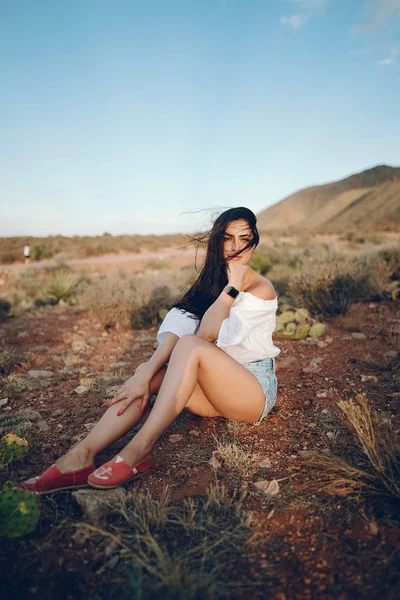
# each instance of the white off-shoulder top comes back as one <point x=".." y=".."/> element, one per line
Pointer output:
<point x="246" y="334"/>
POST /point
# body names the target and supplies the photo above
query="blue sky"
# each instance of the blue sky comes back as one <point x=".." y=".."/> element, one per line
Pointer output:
<point x="123" y="116"/>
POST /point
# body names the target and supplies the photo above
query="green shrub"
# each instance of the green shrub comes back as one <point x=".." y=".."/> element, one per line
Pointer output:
<point x="330" y="289"/>
<point x="5" y="307"/>
<point x="280" y="276"/>
<point x="112" y="299"/>
<point x="63" y="286"/>
<point x="261" y="264"/>
<point x="41" y="251"/>
<point x="149" y="314"/>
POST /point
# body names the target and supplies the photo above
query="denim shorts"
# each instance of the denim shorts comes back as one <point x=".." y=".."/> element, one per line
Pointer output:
<point x="264" y="370"/>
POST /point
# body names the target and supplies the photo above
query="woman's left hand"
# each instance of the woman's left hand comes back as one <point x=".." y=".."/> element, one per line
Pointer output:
<point x="135" y="388"/>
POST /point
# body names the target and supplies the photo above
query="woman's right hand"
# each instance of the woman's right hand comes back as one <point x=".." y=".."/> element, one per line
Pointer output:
<point x="236" y="274"/>
<point x="134" y="388"/>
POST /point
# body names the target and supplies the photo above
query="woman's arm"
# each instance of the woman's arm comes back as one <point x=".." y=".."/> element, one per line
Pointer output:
<point x="160" y="357"/>
<point x="138" y="386"/>
<point x="219" y="310"/>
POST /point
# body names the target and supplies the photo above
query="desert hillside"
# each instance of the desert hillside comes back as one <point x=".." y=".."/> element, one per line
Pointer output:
<point x="368" y="199"/>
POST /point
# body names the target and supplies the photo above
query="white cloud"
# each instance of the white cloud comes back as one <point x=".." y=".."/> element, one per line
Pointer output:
<point x="391" y="59"/>
<point x="385" y="62"/>
<point x="295" y="21"/>
<point x="377" y="14"/>
<point x="311" y="4"/>
<point x="310" y="8"/>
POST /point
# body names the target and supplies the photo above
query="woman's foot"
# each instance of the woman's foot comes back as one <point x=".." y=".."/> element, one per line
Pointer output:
<point x="76" y="458"/>
<point x="69" y="472"/>
<point x="53" y="480"/>
<point x="115" y="472"/>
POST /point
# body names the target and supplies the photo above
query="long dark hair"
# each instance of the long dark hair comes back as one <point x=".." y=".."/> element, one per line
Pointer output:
<point x="212" y="277"/>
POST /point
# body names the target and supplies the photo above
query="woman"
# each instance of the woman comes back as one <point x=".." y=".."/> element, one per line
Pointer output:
<point x="215" y="358"/>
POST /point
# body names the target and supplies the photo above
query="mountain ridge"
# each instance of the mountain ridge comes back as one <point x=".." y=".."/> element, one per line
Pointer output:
<point x="366" y="198"/>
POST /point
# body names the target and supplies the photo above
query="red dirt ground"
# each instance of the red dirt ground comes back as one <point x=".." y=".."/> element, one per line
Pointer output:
<point x="308" y="546"/>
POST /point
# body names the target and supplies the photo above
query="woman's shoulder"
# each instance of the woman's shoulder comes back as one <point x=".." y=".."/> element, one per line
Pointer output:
<point x="262" y="288"/>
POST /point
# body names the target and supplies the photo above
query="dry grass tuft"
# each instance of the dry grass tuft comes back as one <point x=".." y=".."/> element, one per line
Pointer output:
<point x="378" y="472"/>
<point x="181" y="551"/>
<point x="8" y="357"/>
<point x="235" y="457"/>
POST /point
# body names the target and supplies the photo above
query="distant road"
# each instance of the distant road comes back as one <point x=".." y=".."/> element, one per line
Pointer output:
<point x="103" y="259"/>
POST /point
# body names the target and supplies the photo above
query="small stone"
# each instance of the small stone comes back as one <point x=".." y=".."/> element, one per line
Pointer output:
<point x="111" y="391"/>
<point x="60" y="426"/>
<point x="62" y="318"/>
<point x="329" y="340"/>
<point x="37" y="374"/>
<point x="391" y="354"/>
<point x="7" y="408"/>
<point x="356" y="335"/>
<point x="321" y="394"/>
<point x="175" y="438"/>
<point x="373" y="527"/>
<point x="97" y="505"/>
<point x="3" y="402"/>
<point x="312" y="425"/>
<point x="89" y="426"/>
<point x="43" y="425"/>
<point x="265" y="463"/>
<point x="286" y="362"/>
<point x="105" y="334"/>
<point x="330" y="435"/>
<point x="322" y="344"/>
<point x="370" y="378"/>
<point x="94" y="339"/>
<point x="267" y="488"/>
<point x="23" y="334"/>
<point x="372" y="305"/>
<point x="313" y="369"/>
<point x="58" y="412"/>
<point x="81" y="389"/>
<point x="194" y="432"/>
<point x="117" y="365"/>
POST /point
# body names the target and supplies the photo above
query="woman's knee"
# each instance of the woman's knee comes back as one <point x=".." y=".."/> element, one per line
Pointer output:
<point x="188" y="343"/>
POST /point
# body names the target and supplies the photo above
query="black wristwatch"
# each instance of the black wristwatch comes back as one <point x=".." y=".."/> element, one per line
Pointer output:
<point x="231" y="291"/>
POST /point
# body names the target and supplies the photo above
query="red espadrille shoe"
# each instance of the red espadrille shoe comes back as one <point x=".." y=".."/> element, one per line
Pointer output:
<point x="52" y="480"/>
<point x="115" y="472"/>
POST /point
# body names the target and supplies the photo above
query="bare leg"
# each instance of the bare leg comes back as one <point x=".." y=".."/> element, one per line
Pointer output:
<point x="223" y="381"/>
<point x="108" y="429"/>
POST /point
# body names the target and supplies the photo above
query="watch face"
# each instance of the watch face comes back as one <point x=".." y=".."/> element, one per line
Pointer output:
<point x="232" y="291"/>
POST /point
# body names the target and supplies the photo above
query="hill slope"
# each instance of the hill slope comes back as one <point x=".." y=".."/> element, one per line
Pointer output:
<point x="364" y="198"/>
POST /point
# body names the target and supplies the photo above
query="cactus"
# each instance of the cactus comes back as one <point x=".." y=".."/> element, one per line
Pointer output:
<point x="317" y="330"/>
<point x="12" y="448"/>
<point x="287" y="317"/>
<point x="283" y="307"/>
<point x="301" y="315"/>
<point x="279" y="325"/>
<point x="301" y="331"/>
<point x="290" y="330"/>
<point x="19" y="511"/>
